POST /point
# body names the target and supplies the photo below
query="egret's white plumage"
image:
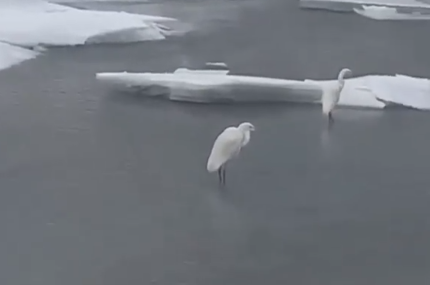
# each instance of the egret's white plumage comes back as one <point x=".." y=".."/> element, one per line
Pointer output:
<point x="331" y="94"/>
<point x="227" y="146"/>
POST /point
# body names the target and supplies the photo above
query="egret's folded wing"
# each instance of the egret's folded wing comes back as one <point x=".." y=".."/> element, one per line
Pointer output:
<point x="226" y="145"/>
<point x="329" y="98"/>
<point x="328" y="103"/>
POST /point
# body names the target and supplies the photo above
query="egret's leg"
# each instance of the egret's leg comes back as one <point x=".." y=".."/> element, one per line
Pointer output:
<point x="220" y="175"/>
<point x="223" y="174"/>
<point x="330" y="119"/>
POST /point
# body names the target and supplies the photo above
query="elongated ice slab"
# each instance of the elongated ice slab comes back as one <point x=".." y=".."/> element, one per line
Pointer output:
<point x="208" y="86"/>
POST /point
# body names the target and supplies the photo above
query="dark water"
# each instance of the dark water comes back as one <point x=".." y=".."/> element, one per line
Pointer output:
<point x="103" y="188"/>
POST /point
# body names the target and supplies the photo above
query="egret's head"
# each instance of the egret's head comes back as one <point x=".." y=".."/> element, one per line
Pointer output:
<point x="345" y="71"/>
<point x="247" y="127"/>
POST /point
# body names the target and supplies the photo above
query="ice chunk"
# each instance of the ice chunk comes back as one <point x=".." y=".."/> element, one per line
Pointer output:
<point x="42" y="23"/>
<point x="200" y="71"/>
<point x="73" y="1"/>
<point x="11" y="55"/>
<point x="355" y="93"/>
<point x="349" y="5"/>
<point x="223" y="64"/>
<point x="216" y="65"/>
<point x="385" y="89"/>
<point x="206" y="86"/>
<point x="388" y="13"/>
<point x="402" y="90"/>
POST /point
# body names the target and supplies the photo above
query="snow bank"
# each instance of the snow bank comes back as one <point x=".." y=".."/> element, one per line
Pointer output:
<point x="42" y="23"/>
<point x="208" y="86"/>
<point x="11" y="55"/>
<point x="388" y="13"/>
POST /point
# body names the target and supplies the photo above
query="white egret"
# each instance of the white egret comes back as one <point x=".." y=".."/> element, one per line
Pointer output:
<point x="331" y="94"/>
<point x="227" y="146"/>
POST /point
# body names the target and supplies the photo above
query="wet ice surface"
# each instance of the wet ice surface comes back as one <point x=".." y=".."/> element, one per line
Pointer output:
<point x="99" y="187"/>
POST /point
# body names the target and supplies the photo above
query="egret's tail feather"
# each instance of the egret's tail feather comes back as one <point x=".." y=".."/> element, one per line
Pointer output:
<point x="325" y="110"/>
<point x="212" y="166"/>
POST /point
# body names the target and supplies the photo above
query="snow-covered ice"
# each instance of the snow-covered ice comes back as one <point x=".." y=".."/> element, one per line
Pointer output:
<point x="217" y="65"/>
<point x="208" y="86"/>
<point x="42" y="23"/>
<point x="350" y="5"/>
<point x="402" y="90"/>
<point x="11" y="55"/>
<point x="77" y="1"/>
<point x="388" y="13"/>
<point x="355" y="92"/>
<point x="36" y="23"/>
<point x="380" y="90"/>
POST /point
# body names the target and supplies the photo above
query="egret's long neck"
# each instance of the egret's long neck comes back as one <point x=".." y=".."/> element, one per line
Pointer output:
<point x="340" y="79"/>
<point x="246" y="137"/>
